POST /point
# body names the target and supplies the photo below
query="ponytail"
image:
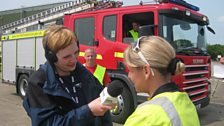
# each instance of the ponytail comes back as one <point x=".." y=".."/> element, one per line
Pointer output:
<point x="176" y="66"/>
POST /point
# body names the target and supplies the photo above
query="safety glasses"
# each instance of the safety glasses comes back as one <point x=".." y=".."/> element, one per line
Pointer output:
<point x="136" y="48"/>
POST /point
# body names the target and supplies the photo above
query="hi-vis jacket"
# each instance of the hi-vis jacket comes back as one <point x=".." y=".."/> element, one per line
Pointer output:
<point x="134" y="34"/>
<point x="99" y="72"/>
<point x="165" y="109"/>
<point x="48" y="104"/>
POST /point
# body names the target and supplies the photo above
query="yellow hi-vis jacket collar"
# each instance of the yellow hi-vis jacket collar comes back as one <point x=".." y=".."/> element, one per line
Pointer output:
<point x="99" y="73"/>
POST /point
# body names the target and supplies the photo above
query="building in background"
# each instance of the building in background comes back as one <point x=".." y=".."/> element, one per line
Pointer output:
<point x="11" y="20"/>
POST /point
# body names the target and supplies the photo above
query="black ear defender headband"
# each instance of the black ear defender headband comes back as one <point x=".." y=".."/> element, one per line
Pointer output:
<point x="49" y="55"/>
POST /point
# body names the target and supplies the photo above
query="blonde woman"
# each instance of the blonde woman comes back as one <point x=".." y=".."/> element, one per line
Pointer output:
<point x="151" y="62"/>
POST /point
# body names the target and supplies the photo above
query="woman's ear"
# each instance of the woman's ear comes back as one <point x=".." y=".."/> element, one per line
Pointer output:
<point x="147" y="71"/>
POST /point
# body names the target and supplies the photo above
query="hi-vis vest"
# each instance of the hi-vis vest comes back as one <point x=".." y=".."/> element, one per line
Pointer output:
<point x="165" y="109"/>
<point x="99" y="73"/>
<point x="134" y="34"/>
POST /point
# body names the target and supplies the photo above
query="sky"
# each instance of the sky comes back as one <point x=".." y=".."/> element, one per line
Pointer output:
<point x="212" y="8"/>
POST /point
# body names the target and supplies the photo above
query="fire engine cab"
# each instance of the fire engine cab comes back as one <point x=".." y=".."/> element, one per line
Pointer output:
<point x="105" y="29"/>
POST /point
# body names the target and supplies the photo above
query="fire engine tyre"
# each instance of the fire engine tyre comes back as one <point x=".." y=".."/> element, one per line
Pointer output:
<point x="125" y="107"/>
<point x="22" y="85"/>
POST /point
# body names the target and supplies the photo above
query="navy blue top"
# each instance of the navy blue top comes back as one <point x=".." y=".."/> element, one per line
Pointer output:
<point x="48" y="104"/>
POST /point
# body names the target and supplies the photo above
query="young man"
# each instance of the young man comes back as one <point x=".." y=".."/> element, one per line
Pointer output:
<point x="63" y="92"/>
<point x="98" y="71"/>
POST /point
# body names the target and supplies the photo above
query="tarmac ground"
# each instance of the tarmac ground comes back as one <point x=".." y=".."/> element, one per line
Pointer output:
<point x="13" y="114"/>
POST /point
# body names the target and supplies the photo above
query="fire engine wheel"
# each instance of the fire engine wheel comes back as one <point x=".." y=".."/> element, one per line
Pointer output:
<point x="22" y="85"/>
<point x="124" y="108"/>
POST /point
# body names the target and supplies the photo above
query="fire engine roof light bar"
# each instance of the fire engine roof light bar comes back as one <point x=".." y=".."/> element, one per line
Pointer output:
<point x="184" y="3"/>
<point x="181" y="2"/>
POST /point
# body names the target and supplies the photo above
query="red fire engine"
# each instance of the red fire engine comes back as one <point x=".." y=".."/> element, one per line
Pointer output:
<point x="106" y="30"/>
<point x="177" y="21"/>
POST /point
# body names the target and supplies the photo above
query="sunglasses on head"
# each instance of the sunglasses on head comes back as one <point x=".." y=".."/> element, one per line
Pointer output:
<point x="136" y="48"/>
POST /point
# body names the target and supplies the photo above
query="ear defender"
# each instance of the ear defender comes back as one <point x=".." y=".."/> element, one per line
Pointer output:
<point x="49" y="55"/>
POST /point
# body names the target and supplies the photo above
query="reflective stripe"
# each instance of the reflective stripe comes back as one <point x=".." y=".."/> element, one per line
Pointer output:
<point x="99" y="73"/>
<point x="4" y="37"/>
<point x="99" y="56"/>
<point x="23" y="35"/>
<point x="119" y="54"/>
<point x="82" y="54"/>
<point x="168" y="107"/>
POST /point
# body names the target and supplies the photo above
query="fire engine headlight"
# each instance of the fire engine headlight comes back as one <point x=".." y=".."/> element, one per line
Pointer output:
<point x="188" y="13"/>
<point x="204" y="18"/>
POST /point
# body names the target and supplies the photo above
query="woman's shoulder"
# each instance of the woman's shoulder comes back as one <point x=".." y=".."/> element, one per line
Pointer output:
<point x="86" y="77"/>
<point x="82" y="72"/>
<point x="147" y="115"/>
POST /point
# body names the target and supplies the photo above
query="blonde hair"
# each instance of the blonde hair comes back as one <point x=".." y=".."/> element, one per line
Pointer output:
<point x="157" y="51"/>
<point x="57" y="37"/>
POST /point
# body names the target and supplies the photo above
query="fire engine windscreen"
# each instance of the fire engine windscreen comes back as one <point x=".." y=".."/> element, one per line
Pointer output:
<point x="110" y="93"/>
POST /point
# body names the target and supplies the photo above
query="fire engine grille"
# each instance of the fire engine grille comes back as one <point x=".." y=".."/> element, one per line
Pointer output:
<point x="196" y="81"/>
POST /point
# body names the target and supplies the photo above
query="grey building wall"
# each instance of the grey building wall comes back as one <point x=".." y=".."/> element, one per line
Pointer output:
<point x="16" y="14"/>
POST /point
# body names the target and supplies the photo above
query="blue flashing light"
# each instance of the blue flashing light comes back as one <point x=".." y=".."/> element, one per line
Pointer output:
<point x="185" y="4"/>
